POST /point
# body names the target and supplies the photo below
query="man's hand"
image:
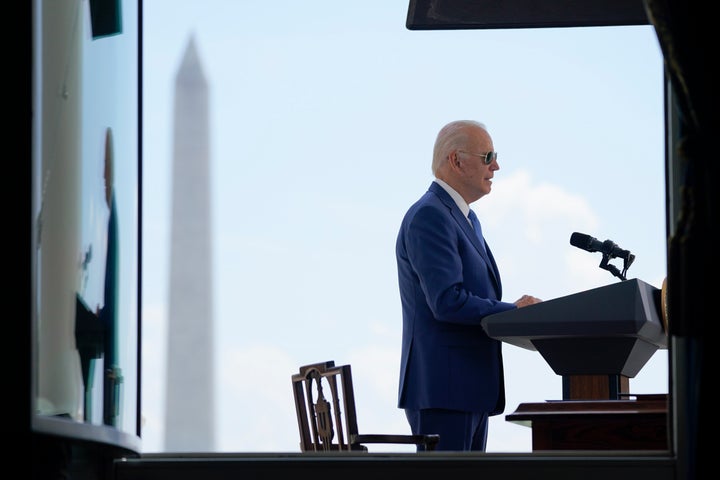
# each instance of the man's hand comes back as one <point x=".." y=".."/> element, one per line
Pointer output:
<point x="526" y="300"/>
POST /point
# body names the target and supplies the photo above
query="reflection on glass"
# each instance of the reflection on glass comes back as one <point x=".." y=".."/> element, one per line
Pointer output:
<point x="86" y="208"/>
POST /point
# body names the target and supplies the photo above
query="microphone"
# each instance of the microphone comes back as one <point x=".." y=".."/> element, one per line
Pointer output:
<point x="608" y="247"/>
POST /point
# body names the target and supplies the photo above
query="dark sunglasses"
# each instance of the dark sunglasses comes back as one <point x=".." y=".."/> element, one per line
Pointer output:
<point x="488" y="157"/>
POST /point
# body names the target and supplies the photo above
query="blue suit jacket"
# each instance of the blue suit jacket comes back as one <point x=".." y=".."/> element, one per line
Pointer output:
<point x="447" y="285"/>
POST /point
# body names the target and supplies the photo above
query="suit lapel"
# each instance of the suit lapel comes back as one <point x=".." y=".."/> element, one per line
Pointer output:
<point x="465" y="226"/>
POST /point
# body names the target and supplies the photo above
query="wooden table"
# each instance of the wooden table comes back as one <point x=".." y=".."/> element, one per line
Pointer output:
<point x="637" y="422"/>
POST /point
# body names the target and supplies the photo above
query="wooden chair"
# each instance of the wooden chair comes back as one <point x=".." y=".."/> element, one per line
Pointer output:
<point x="330" y="423"/>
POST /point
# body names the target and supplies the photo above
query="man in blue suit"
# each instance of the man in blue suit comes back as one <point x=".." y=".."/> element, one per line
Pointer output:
<point x="451" y="372"/>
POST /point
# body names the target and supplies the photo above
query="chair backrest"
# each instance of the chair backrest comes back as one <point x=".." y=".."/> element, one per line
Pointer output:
<point x="325" y="406"/>
<point x="327" y="420"/>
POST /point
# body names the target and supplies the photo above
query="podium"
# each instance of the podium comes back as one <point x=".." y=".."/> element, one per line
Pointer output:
<point x="596" y="340"/>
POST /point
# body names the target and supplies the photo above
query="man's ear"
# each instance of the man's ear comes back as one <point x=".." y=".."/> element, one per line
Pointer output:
<point x="455" y="160"/>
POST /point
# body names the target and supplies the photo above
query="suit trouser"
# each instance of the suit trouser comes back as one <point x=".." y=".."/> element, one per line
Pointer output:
<point x="459" y="431"/>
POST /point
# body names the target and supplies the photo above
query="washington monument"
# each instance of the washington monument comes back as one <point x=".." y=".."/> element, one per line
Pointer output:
<point x="190" y="415"/>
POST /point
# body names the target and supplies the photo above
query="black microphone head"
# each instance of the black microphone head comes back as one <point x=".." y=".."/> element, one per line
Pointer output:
<point x="580" y="240"/>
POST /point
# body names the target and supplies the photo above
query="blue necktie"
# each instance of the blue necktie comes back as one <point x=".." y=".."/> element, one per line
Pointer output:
<point x="478" y="230"/>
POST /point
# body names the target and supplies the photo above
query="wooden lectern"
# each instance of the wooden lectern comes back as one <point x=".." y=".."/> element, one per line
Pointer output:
<point x="596" y="340"/>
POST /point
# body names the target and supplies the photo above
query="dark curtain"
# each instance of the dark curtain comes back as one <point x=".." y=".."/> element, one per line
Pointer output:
<point x="684" y="33"/>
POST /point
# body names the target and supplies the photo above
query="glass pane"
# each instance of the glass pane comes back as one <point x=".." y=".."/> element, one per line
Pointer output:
<point x="86" y="207"/>
<point x="322" y="117"/>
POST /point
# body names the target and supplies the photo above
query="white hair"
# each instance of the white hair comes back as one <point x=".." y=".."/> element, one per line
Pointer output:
<point x="451" y="137"/>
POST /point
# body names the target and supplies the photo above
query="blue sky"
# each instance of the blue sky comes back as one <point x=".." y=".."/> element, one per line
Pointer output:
<point x="323" y="116"/>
